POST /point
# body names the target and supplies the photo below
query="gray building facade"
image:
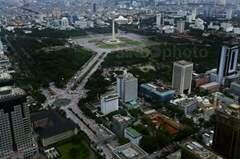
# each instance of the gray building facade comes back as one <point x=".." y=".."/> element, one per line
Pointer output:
<point x="182" y="77"/>
<point x="127" y="88"/>
<point x="16" y="139"/>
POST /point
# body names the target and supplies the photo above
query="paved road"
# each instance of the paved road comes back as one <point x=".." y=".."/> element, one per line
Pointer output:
<point x="74" y="91"/>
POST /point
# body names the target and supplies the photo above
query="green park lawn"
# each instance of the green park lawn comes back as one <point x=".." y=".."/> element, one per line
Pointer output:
<point x="74" y="148"/>
<point x="124" y="43"/>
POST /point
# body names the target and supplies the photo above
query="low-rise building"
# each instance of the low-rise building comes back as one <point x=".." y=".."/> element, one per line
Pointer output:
<point x="133" y="135"/>
<point x="210" y="87"/>
<point x="193" y="150"/>
<point x="227" y="27"/>
<point x="235" y="87"/>
<point x="236" y="31"/>
<point x="129" y="151"/>
<point x="213" y="26"/>
<point x="187" y="105"/>
<point x="160" y="120"/>
<point x="199" y="24"/>
<point x="52" y="127"/>
<point x="6" y="79"/>
<point x="199" y="80"/>
<point x="221" y="99"/>
<point x="155" y="92"/>
<point x="207" y="138"/>
<point x="132" y="105"/>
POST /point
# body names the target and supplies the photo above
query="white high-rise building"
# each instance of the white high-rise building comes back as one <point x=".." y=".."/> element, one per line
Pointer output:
<point x="127" y="87"/>
<point x="182" y="77"/>
<point x="109" y="103"/>
<point x="64" y="23"/>
<point x="1" y="47"/>
<point x="16" y="140"/>
<point x="194" y="13"/>
<point x="159" y="20"/>
<point x="229" y="13"/>
<point x="227" y="63"/>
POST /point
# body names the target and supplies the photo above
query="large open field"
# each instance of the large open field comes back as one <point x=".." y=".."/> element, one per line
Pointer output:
<point x="124" y="42"/>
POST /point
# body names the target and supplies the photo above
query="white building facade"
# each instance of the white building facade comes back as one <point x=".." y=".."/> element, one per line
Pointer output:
<point x="109" y="103"/>
<point x="227" y="63"/>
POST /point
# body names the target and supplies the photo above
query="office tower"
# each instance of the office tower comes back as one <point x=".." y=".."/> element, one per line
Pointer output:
<point x="94" y="7"/>
<point x="229" y="13"/>
<point x="159" y="20"/>
<point x="127" y="87"/>
<point x="194" y="13"/>
<point x="64" y="23"/>
<point x="119" y="123"/>
<point x="16" y="140"/>
<point x="226" y="140"/>
<point x="182" y="77"/>
<point x="180" y="26"/>
<point x="109" y="103"/>
<point x="227" y="62"/>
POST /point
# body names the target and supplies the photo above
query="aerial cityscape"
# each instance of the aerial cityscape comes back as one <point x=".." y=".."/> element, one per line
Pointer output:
<point x="119" y="79"/>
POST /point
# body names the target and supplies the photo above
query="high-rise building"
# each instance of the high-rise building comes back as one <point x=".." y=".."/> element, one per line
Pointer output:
<point x="109" y="103"/>
<point x="194" y="13"/>
<point x="119" y="123"/>
<point x="94" y="7"/>
<point x="159" y="20"/>
<point x="127" y="87"/>
<point x="182" y="77"/>
<point x="180" y="26"/>
<point x="226" y="140"/>
<point x="229" y="13"/>
<point x="16" y="140"/>
<point x="227" y="62"/>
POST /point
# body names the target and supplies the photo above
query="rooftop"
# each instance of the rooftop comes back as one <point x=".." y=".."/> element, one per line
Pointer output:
<point x="236" y="83"/>
<point x="199" y="151"/>
<point x="12" y="93"/>
<point x="54" y="123"/>
<point x="232" y="110"/>
<point x="184" y="101"/>
<point x="162" y="91"/>
<point x="127" y="76"/>
<point x="5" y="76"/>
<point x="133" y="133"/>
<point x="11" y="97"/>
<point x="121" y="118"/>
<point x="129" y="151"/>
<point x="183" y="63"/>
<point x="110" y="96"/>
<point x="208" y="85"/>
<point x="160" y="120"/>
